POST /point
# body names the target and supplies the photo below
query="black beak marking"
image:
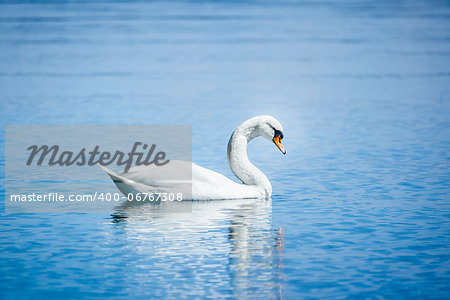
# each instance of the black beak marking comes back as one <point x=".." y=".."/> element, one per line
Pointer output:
<point x="278" y="133"/>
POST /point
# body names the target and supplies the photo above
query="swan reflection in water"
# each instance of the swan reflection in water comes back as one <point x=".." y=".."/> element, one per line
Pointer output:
<point x="222" y="246"/>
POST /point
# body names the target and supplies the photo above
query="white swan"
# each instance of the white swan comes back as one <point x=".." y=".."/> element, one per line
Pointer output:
<point x="207" y="184"/>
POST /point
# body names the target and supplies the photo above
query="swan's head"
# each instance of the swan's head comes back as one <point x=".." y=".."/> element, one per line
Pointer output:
<point x="270" y="128"/>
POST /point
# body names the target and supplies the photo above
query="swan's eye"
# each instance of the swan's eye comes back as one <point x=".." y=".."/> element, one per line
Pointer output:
<point x="278" y="133"/>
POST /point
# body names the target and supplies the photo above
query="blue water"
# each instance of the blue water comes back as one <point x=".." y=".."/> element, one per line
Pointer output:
<point x="361" y="204"/>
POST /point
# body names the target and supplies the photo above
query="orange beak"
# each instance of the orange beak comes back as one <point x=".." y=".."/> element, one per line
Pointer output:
<point x="277" y="141"/>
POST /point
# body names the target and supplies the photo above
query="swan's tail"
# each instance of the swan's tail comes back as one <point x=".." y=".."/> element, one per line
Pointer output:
<point x="126" y="186"/>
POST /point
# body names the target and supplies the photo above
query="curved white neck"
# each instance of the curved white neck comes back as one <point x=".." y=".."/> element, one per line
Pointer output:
<point x="238" y="160"/>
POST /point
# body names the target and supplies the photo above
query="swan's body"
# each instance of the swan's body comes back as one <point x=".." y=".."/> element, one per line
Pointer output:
<point x="207" y="184"/>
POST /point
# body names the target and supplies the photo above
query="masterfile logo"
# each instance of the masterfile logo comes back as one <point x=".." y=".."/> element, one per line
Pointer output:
<point x="91" y="158"/>
<point x="54" y="168"/>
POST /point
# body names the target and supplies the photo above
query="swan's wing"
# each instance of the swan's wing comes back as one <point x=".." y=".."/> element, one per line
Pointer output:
<point x="168" y="175"/>
<point x="127" y="186"/>
<point x="208" y="184"/>
<point x="174" y="177"/>
<point x="189" y="178"/>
